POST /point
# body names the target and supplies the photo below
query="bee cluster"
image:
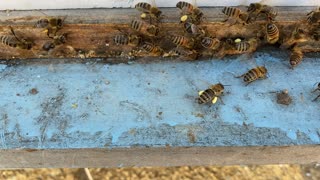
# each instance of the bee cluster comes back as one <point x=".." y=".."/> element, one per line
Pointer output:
<point x="196" y="40"/>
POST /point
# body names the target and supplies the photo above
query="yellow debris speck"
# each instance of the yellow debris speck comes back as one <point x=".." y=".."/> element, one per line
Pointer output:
<point x="74" y="105"/>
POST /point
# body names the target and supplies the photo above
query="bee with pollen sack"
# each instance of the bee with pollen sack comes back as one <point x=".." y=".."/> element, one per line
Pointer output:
<point x="149" y="10"/>
<point x="145" y="28"/>
<point x="190" y="12"/>
<point x="211" y="94"/>
<point x="52" y="25"/>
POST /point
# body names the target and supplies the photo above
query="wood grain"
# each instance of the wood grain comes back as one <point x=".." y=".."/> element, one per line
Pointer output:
<point x="162" y="156"/>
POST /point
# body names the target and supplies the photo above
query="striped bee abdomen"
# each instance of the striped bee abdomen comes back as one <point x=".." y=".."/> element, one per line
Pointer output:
<point x="142" y="6"/>
<point x="242" y="46"/>
<point x="136" y="25"/>
<point x="187" y="7"/>
<point x="121" y="39"/>
<point x="254" y="74"/>
<point x="9" y="41"/>
<point x="231" y="11"/>
<point x="272" y="33"/>
<point x="206" y="96"/>
<point x="295" y="58"/>
<point x="210" y="43"/>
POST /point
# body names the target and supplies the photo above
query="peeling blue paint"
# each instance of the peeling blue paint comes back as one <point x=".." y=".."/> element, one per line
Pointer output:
<point x="95" y="105"/>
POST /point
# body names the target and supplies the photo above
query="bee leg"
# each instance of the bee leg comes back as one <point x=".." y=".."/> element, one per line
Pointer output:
<point x="315" y="90"/>
<point x="239" y="76"/>
<point x="316" y="98"/>
<point x="248" y="83"/>
<point x="222" y="101"/>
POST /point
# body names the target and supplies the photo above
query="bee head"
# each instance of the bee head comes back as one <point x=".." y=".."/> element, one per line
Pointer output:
<point x="155" y="11"/>
<point x="269" y="26"/>
<point x="59" y="22"/>
<point x="48" y="45"/>
<point x="254" y="6"/>
<point x="263" y="69"/>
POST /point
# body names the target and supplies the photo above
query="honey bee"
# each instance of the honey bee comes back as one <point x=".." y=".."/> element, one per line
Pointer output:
<point x="247" y="46"/>
<point x="211" y="94"/>
<point x="317" y="89"/>
<point x="235" y="14"/>
<point x="193" y="29"/>
<point x="295" y="57"/>
<point x="148" y="9"/>
<point x="57" y="40"/>
<point x="210" y="43"/>
<point x="48" y="45"/>
<point x="14" y="41"/>
<point x="190" y="12"/>
<point x="272" y="33"/>
<point x="152" y="49"/>
<point x="182" y="41"/>
<point x="255" y="9"/>
<point x="182" y="53"/>
<point x="145" y="28"/>
<point x="259" y="72"/>
<point x="313" y="16"/>
<point x="52" y="25"/>
<point x="131" y="40"/>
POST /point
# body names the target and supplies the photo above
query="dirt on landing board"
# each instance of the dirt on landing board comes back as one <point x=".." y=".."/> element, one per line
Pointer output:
<point x="292" y="172"/>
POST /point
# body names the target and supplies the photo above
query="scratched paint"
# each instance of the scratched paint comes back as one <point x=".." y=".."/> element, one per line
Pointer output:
<point x="96" y="105"/>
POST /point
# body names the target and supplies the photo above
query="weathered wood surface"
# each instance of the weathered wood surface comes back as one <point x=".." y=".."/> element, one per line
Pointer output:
<point x="168" y="156"/>
<point x="90" y="32"/>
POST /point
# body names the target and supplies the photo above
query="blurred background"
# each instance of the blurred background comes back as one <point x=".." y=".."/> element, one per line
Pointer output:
<point x="285" y="171"/>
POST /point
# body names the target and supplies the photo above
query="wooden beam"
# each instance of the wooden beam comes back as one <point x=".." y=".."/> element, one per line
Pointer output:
<point x="167" y="156"/>
<point x="91" y="32"/>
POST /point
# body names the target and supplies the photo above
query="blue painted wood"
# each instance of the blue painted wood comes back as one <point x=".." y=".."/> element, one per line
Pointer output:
<point x="95" y="105"/>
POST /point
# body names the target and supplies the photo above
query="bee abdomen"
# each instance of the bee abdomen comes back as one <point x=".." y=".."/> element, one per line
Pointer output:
<point x="148" y="47"/>
<point x="8" y="40"/>
<point x="136" y="25"/>
<point x="272" y="33"/>
<point x="178" y="40"/>
<point x="121" y="39"/>
<point x="210" y="43"/>
<point x="251" y="75"/>
<point x="242" y="46"/>
<point x="231" y="11"/>
<point x="296" y="58"/>
<point x="184" y="5"/>
<point x="182" y="41"/>
<point x="142" y="6"/>
<point x="206" y="96"/>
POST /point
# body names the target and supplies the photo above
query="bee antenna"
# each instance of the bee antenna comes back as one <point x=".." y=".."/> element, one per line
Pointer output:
<point x="14" y="34"/>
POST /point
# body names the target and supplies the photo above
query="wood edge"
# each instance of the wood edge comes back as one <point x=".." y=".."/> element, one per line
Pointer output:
<point x="160" y="156"/>
<point x="122" y="15"/>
